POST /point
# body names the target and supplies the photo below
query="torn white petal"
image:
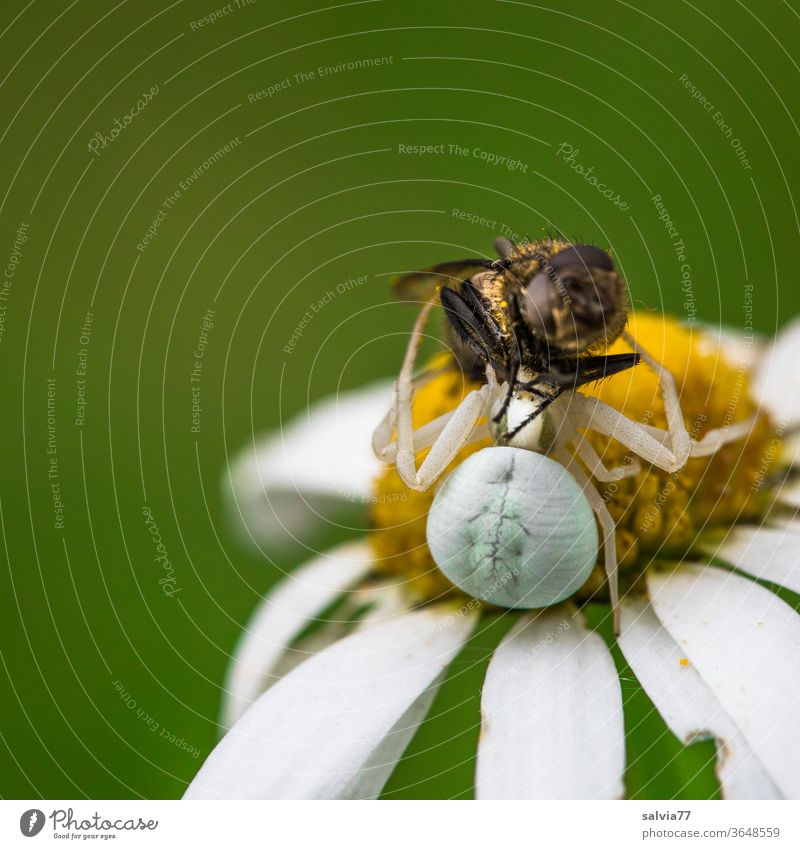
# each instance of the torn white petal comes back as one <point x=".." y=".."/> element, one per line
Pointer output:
<point x="687" y="703"/>
<point x="282" y="615"/>
<point x="302" y="475"/>
<point x="743" y="640"/>
<point x="336" y="725"/>
<point x="552" y="714"/>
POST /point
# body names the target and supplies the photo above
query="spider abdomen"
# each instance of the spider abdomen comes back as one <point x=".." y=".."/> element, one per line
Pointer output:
<point x="513" y="528"/>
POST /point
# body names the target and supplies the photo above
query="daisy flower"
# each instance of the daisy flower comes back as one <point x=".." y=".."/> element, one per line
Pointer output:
<point x="327" y="711"/>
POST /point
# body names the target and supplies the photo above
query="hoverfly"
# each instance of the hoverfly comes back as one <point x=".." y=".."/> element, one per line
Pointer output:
<point x="541" y="317"/>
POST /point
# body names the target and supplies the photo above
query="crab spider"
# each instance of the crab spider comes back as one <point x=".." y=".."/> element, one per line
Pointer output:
<point x="568" y="417"/>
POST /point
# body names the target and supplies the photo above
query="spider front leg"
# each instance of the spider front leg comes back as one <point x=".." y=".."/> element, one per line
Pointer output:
<point x="593" y="414"/>
<point x="715" y="439"/>
<point x="598" y="469"/>
<point x="607" y="526"/>
<point x="446" y="435"/>
<point x="669" y="450"/>
<point x="459" y="430"/>
<point x="382" y="437"/>
<point x="427" y="434"/>
<point x="679" y="438"/>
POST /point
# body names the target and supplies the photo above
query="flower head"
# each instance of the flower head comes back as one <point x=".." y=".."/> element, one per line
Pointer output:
<point x="713" y="647"/>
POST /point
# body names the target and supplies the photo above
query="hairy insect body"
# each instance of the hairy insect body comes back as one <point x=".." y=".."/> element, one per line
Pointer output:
<point x="541" y="317"/>
<point x="542" y="306"/>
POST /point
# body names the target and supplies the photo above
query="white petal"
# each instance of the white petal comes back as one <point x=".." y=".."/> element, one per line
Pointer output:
<point x="771" y="553"/>
<point x="745" y="643"/>
<point x="739" y="349"/>
<point x="776" y="377"/>
<point x="552" y="714"/>
<point x="687" y="703"/>
<point x="301" y="476"/>
<point x="336" y="725"/>
<point x="387" y="601"/>
<point x="282" y="615"/>
<point x="319" y="639"/>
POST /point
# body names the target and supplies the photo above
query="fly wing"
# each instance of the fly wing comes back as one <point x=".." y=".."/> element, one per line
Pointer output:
<point x="423" y="285"/>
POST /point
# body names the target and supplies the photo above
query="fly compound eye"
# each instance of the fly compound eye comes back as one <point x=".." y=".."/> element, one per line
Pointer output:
<point x="513" y="528"/>
<point x="537" y="304"/>
<point x="584" y="257"/>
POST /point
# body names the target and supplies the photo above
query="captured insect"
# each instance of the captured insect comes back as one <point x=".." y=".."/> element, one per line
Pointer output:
<point x="534" y="327"/>
<point x="541" y="317"/>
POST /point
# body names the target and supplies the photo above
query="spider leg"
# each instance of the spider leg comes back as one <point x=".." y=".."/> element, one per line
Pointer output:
<point x="607" y="525"/>
<point x="453" y="437"/>
<point x="382" y="437"/>
<point x="680" y="440"/>
<point x="593" y="414"/>
<point x="491" y="377"/>
<point x="427" y="434"/>
<point x="715" y="439"/>
<point x="597" y="468"/>
<point x="445" y="435"/>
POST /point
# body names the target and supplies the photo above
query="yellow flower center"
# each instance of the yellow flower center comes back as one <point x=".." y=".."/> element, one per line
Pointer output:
<point x="658" y="515"/>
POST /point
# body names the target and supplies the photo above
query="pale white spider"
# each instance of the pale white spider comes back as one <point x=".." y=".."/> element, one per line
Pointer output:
<point x="555" y="432"/>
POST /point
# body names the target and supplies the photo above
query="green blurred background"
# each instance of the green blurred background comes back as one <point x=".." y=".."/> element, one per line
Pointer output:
<point x="694" y="103"/>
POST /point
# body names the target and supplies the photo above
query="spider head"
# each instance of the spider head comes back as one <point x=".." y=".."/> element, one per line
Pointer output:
<point x="521" y="420"/>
